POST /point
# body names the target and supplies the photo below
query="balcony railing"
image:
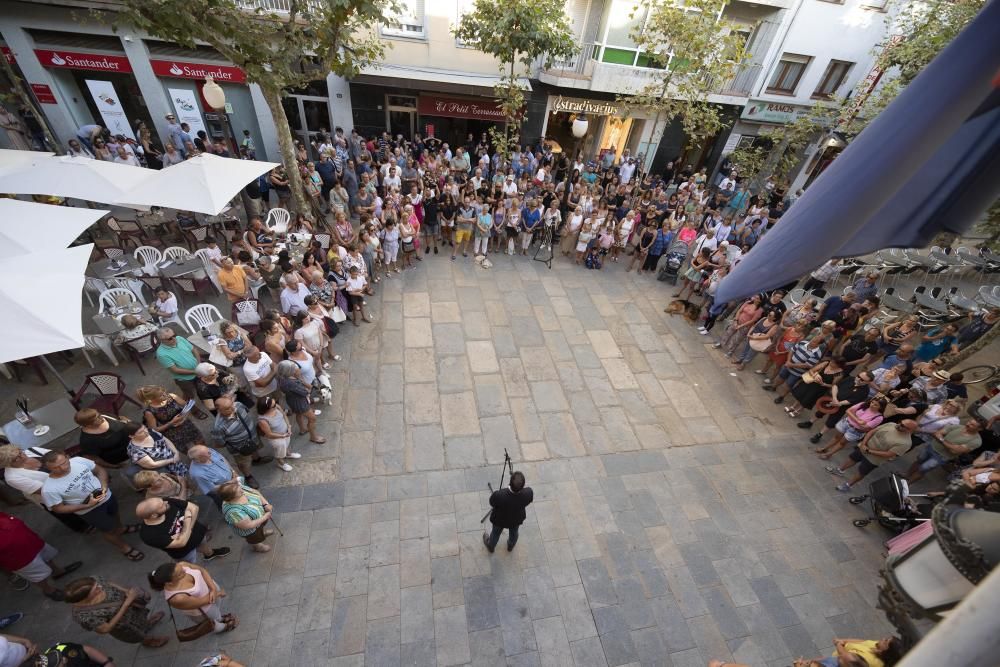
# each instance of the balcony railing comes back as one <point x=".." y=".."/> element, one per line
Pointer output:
<point x="276" y="6"/>
<point x="577" y="65"/>
<point x="742" y="83"/>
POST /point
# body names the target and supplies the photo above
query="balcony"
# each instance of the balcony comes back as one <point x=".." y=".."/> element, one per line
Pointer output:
<point x="580" y="66"/>
<point x="276" y="6"/>
<point x="742" y="83"/>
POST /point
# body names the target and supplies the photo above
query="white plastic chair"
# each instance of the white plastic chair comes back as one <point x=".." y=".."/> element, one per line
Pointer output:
<point x="132" y="285"/>
<point x="277" y="220"/>
<point x="98" y="343"/>
<point x="150" y="257"/>
<point x="210" y="269"/>
<point x="246" y="243"/>
<point x="114" y="297"/>
<point x="201" y="315"/>
<point x="93" y="285"/>
<point x="176" y="253"/>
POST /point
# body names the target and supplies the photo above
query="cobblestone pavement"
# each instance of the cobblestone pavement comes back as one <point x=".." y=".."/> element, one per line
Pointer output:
<point x="679" y="516"/>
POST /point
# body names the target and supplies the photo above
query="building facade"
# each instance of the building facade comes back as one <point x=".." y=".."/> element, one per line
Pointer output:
<point x="429" y="83"/>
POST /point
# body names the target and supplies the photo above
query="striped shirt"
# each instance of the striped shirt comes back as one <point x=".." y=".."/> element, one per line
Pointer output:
<point x="235" y="512"/>
<point x="802" y="353"/>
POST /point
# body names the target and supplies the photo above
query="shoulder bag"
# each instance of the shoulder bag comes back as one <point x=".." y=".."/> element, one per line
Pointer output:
<point x="252" y="444"/>
<point x="192" y="632"/>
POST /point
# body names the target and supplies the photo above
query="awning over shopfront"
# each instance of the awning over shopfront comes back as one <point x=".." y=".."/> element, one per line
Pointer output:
<point x="420" y="78"/>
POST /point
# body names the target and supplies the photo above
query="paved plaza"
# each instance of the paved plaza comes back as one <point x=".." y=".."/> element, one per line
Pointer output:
<point x="679" y="515"/>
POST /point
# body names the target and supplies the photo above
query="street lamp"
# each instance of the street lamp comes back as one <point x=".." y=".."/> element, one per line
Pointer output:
<point x="216" y="98"/>
<point x="580" y="127"/>
<point x="934" y="576"/>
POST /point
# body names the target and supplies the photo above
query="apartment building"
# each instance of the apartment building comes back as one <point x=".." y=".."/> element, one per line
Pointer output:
<point x="431" y="83"/>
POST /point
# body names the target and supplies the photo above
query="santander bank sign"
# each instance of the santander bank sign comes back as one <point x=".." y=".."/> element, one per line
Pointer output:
<point x="185" y="70"/>
<point x="88" y="61"/>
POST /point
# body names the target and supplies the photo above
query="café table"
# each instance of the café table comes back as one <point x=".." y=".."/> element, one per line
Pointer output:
<point x="176" y="269"/>
<point x="110" y="322"/>
<point x="107" y="269"/>
<point x="58" y="416"/>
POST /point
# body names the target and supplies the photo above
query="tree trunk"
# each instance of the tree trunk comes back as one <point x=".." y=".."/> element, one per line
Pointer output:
<point x="28" y="101"/>
<point x="285" y="143"/>
<point x="953" y="360"/>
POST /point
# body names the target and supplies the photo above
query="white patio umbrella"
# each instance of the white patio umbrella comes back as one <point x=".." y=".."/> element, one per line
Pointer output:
<point x="26" y="227"/>
<point x="77" y="177"/>
<point x="11" y="160"/>
<point x="42" y="315"/>
<point x="205" y="184"/>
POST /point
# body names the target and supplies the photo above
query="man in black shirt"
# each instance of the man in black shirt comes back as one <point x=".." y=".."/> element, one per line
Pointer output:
<point x="172" y="525"/>
<point x="859" y="349"/>
<point x="908" y="404"/>
<point x="775" y="303"/>
<point x="508" y="511"/>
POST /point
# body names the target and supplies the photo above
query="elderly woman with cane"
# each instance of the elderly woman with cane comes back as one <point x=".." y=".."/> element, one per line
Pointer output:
<point x="247" y="512"/>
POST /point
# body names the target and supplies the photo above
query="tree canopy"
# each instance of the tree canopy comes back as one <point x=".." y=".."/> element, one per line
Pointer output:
<point x="516" y="33"/>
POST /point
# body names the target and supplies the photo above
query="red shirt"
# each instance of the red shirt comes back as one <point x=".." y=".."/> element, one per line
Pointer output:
<point x="18" y="544"/>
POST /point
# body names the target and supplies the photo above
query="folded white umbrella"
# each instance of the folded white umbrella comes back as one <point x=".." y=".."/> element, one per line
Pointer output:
<point x="77" y="177"/>
<point x="204" y="184"/>
<point x="42" y="315"/>
<point x="26" y="227"/>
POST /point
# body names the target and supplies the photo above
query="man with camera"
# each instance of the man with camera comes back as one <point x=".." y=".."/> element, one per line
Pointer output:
<point x="508" y="511"/>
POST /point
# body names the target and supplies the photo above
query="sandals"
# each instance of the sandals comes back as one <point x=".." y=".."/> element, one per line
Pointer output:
<point x="155" y="642"/>
<point x="318" y="441"/>
<point x="155" y="618"/>
<point x="72" y="567"/>
<point x="134" y="555"/>
<point x="232" y="622"/>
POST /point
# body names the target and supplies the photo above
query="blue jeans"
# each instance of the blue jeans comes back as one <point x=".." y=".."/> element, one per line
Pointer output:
<point x="511" y="536"/>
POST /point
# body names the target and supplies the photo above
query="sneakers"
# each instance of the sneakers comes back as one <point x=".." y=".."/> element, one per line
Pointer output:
<point x="766" y="380"/>
<point x="804" y="424"/>
<point x="834" y="471"/>
<point x="293" y="455"/>
<point x="262" y="460"/>
<point x="816" y="437"/>
<point x="18" y="583"/>
<point x="285" y="467"/>
<point x="759" y="372"/>
<point x="218" y="553"/>
<point x="844" y="488"/>
<point x="769" y="387"/>
<point x="717" y="345"/>
<point x="10" y="619"/>
<point x="486" y="542"/>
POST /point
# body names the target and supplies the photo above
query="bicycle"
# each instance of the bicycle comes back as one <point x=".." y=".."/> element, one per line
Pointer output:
<point x="978" y="374"/>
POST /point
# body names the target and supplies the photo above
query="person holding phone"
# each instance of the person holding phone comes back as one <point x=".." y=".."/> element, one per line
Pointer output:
<point x="79" y="486"/>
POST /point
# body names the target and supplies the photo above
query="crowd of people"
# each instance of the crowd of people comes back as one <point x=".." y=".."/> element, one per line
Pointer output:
<point x="377" y="207"/>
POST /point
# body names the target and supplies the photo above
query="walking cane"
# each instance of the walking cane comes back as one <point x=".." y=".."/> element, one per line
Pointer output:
<point x="275" y="524"/>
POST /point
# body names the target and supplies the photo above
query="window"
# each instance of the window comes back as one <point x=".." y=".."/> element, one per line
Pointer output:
<point x="462" y="8"/>
<point x="786" y="76"/>
<point x="832" y="79"/>
<point x="409" y="20"/>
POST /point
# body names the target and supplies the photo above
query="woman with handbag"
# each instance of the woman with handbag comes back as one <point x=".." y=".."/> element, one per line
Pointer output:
<point x="191" y="590"/>
<point x="760" y="339"/>
<point x="272" y="422"/>
<point x="212" y="382"/>
<point x="816" y="383"/>
<point x="247" y="512"/>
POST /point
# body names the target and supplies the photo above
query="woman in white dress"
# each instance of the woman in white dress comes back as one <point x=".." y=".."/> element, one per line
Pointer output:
<point x="571" y="229"/>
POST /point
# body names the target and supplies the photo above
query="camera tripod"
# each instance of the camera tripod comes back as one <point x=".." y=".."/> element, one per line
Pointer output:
<point x="507" y="465"/>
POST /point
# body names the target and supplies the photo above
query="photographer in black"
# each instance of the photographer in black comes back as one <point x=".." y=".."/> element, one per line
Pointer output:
<point x="508" y="511"/>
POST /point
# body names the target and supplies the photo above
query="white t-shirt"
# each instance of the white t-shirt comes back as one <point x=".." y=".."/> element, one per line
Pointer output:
<point x="11" y="654"/>
<point x="28" y="482"/>
<point x="169" y="306"/>
<point x="75" y="487"/>
<point x="255" y="371"/>
<point x="705" y="242"/>
<point x="356" y="284"/>
<point x="392" y="182"/>
<point x="625" y="172"/>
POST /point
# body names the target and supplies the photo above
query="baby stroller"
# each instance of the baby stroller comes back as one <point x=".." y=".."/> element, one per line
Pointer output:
<point x="893" y="506"/>
<point x="676" y="254"/>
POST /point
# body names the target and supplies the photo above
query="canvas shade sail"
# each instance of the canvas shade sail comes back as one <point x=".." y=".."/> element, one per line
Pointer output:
<point x="204" y="184"/>
<point x="26" y="227"/>
<point x="42" y="315"/>
<point x="930" y="162"/>
<point x="11" y="160"/>
<point x="77" y="177"/>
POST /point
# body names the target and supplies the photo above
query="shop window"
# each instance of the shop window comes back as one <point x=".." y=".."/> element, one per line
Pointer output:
<point x="787" y="74"/>
<point x="409" y="20"/>
<point x="833" y="79"/>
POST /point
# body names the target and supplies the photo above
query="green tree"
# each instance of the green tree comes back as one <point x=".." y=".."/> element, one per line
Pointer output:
<point x="517" y="33"/>
<point x="279" y="52"/>
<point x="690" y="50"/>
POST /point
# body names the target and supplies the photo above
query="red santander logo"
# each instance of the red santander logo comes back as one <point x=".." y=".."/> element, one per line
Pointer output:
<point x="183" y="70"/>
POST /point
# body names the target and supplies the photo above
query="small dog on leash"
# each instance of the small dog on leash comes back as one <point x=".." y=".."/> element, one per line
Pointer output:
<point x="683" y="307"/>
<point x="325" y="389"/>
<point x="483" y="262"/>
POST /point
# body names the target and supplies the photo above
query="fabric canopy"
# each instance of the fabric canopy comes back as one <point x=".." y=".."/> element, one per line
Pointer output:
<point x="204" y="184"/>
<point x="929" y="162"/>
<point x="26" y="227"/>
<point x="42" y="314"/>
<point x="11" y="160"/>
<point x="77" y="177"/>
